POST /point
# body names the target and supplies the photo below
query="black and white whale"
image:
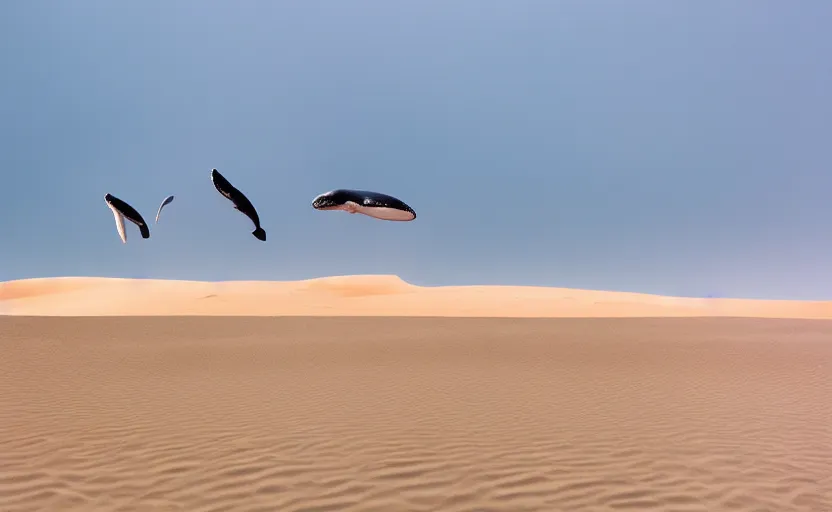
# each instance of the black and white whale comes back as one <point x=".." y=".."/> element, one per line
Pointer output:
<point x="167" y="201"/>
<point x="120" y="211"/>
<point x="373" y="204"/>
<point x="241" y="202"/>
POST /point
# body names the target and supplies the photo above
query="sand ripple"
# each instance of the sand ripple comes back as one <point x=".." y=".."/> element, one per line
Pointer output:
<point x="200" y="415"/>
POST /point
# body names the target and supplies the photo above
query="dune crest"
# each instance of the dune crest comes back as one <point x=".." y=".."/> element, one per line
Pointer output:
<point x="363" y="295"/>
<point x="36" y="287"/>
<point x="358" y="286"/>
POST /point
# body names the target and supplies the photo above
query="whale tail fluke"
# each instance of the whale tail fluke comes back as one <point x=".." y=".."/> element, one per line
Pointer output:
<point x="259" y="234"/>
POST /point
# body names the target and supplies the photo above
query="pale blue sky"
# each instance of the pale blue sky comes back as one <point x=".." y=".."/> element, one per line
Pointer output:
<point x="676" y="147"/>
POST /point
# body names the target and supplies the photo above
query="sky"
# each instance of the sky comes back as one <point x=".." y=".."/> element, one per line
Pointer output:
<point x="679" y="148"/>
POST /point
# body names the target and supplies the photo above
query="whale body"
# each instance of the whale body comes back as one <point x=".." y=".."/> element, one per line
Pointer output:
<point x="373" y="204"/>
<point x="241" y="202"/>
<point x="122" y="210"/>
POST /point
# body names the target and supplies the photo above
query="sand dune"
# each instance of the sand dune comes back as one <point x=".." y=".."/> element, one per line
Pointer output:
<point x="363" y="296"/>
<point x="386" y="414"/>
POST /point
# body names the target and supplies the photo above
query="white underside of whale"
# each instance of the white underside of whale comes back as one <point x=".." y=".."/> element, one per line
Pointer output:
<point x="377" y="212"/>
<point x="119" y="223"/>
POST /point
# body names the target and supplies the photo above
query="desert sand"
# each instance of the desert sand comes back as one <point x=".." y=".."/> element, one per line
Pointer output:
<point x="203" y="414"/>
<point x="373" y="295"/>
<point x="128" y="407"/>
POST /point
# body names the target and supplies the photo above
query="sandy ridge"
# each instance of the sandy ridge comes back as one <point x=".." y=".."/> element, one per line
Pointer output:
<point x="363" y="295"/>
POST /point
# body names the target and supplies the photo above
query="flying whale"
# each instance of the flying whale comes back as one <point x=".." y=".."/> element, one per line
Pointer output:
<point x="373" y="204"/>
<point x="241" y="202"/>
<point x="120" y="211"/>
<point x="165" y="202"/>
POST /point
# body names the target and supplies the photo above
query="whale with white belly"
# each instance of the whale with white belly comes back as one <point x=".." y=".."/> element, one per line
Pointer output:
<point x="372" y="204"/>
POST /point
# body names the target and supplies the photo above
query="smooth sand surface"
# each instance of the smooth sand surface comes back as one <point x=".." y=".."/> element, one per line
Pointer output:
<point x="373" y="295"/>
<point x="309" y="414"/>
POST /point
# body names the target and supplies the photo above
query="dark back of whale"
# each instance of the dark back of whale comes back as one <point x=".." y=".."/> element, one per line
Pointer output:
<point x="239" y="199"/>
<point x="367" y="198"/>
